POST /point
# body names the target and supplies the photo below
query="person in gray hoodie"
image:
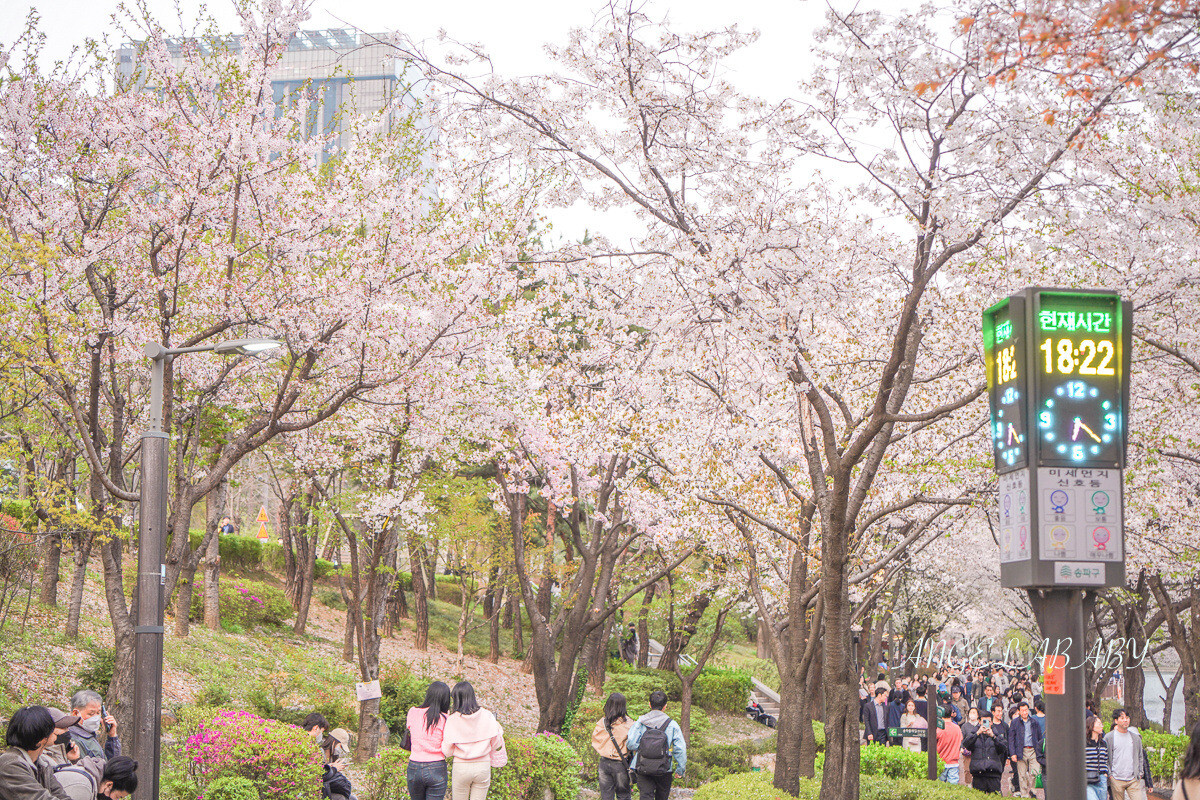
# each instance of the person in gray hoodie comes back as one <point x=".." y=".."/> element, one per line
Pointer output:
<point x="88" y="706"/>
<point x="656" y="762"/>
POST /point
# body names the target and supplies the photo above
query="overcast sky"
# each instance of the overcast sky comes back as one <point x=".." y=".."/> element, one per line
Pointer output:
<point x="513" y="32"/>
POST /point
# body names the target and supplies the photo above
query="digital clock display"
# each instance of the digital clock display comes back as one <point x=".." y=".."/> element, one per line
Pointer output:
<point x="1078" y="404"/>
<point x="1004" y="356"/>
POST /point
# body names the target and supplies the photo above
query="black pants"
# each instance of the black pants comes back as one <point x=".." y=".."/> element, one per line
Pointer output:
<point x="654" y="787"/>
<point x="614" y="779"/>
<point x="426" y="780"/>
<point x="986" y="783"/>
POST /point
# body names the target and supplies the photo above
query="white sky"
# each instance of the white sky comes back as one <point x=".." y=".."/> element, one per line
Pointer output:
<point x="513" y="32"/>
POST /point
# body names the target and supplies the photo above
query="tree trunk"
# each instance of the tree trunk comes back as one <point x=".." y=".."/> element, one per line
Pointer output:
<point x="678" y="641"/>
<point x="348" y="639"/>
<point x="51" y="563"/>
<point x="643" y="629"/>
<point x="493" y="599"/>
<point x="518" y="625"/>
<point x="308" y="573"/>
<point x="83" y="550"/>
<point x="416" y="561"/>
<point x="119" y="696"/>
<point x="430" y="552"/>
<point x="215" y="504"/>
<point x="839" y="684"/>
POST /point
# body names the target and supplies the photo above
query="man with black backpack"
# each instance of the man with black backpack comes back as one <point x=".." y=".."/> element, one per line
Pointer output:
<point x="660" y="752"/>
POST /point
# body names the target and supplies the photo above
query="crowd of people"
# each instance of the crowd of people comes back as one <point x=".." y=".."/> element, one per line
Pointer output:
<point x="992" y="724"/>
<point x="52" y="754"/>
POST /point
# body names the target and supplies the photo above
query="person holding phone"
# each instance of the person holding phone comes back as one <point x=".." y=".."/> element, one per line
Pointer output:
<point x="989" y="751"/>
<point x="89" y="707"/>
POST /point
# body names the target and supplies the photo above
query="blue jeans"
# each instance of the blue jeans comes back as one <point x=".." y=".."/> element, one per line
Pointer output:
<point x="427" y="780"/>
<point x="1098" y="791"/>
<point x="949" y="774"/>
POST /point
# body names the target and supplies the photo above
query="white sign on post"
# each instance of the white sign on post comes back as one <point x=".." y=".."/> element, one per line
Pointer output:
<point x="367" y="691"/>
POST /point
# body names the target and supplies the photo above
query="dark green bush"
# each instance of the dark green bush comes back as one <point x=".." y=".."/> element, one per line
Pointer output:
<point x="753" y="786"/>
<point x="1162" y="750"/>
<point x="213" y="694"/>
<point x="890" y="762"/>
<point x="639" y="684"/>
<point x="97" y="672"/>
<point x="722" y="690"/>
<point x="331" y="598"/>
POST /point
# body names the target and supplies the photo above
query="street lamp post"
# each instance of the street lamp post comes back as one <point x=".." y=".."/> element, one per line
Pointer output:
<point x="152" y="569"/>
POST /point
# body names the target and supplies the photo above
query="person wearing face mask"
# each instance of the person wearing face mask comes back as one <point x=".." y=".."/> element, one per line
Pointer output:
<point x="62" y="752"/>
<point x="22" y="775"/>
<point x="119" y="779"/>
<point x="88" y="706"/>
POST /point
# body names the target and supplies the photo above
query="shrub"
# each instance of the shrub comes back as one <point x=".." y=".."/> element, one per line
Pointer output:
<point x="1163" y="750"/>
<point x="331" y="598"/>
<point x="722" y="690"/>
<point x="714" y="762"/>
<point x="231" y="789"/>
<point x="97" y="672"/>
<point x="401" y="691"/>
<point x="246" y="604"/>
<point x="893" y="762"/>
<point x="753" y="786"/>
<point x="757" y="786"/>
<point x="213" y="694"/>
<point x="535" y="764"/>
<point x="279" y="760"/>
<point x="637" y="686"/>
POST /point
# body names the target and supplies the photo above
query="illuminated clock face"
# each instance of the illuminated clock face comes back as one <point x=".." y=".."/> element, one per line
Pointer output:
<point x="1078" y="404"/>
<point x="1076" y="424"/>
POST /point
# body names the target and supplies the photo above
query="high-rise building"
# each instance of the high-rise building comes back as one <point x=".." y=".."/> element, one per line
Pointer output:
<point x="342" y="73"/>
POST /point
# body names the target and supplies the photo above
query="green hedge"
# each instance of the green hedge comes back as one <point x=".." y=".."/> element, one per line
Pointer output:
<point x="757" y="786"/>
<point x="535" y="764"/>
<point x="241" y="553"/>
<point x="1163" y="749"/>
<point x="639" y="684"/>
<point x="722" y="690"/>
<point x="890" y="762"/>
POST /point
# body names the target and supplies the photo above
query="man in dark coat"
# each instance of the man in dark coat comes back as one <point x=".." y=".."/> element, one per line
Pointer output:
<point x="874" y="714"/>
<point x="989" y="751"/>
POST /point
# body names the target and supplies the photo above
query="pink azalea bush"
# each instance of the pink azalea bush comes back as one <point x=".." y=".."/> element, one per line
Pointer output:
<point x="280" y="759"/>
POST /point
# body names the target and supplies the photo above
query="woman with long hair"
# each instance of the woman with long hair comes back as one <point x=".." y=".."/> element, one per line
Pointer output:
<point x="1188" y="787"/>
<point x="609" y="739"/>
<point x="911" y="719"/>
<point x="426" y="724"/>
<point x="1096" y="751"/>
<point x="476" y="741"/>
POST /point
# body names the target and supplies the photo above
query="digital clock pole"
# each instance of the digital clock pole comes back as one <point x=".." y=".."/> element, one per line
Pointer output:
<point x="1057" y="365"/>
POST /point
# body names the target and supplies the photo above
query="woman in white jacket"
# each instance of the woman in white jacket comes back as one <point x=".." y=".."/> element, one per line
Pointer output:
<point x="475" y="740"/>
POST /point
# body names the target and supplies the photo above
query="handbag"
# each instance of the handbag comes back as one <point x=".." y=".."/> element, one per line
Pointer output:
<point x="1093" y="777"/>
<point x="406" y="740"/>
<point x="628" y="771"/>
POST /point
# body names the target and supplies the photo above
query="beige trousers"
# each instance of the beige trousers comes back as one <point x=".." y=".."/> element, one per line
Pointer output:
<point x="1121" y="790"/>
<point x="470" y="780"/>
<point x="1028" y="768"/>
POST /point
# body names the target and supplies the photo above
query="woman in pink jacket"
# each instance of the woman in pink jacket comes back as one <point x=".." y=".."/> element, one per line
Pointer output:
<point x="475" y="740"/>
<point x="426" y="764"/>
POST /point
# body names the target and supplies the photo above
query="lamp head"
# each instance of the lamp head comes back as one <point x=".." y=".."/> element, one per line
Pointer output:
<point x="247" y="347"/>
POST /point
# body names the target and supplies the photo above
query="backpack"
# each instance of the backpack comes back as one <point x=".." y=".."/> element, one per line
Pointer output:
<point x="654" y="751"/>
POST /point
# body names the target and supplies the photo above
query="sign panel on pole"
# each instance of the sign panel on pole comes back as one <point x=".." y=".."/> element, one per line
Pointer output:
<point x="1054" y="674"/>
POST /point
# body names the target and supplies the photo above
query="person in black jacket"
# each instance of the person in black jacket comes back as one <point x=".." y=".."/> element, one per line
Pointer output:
<point x="989" y="751"/>
<point x="874" y="714"/>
